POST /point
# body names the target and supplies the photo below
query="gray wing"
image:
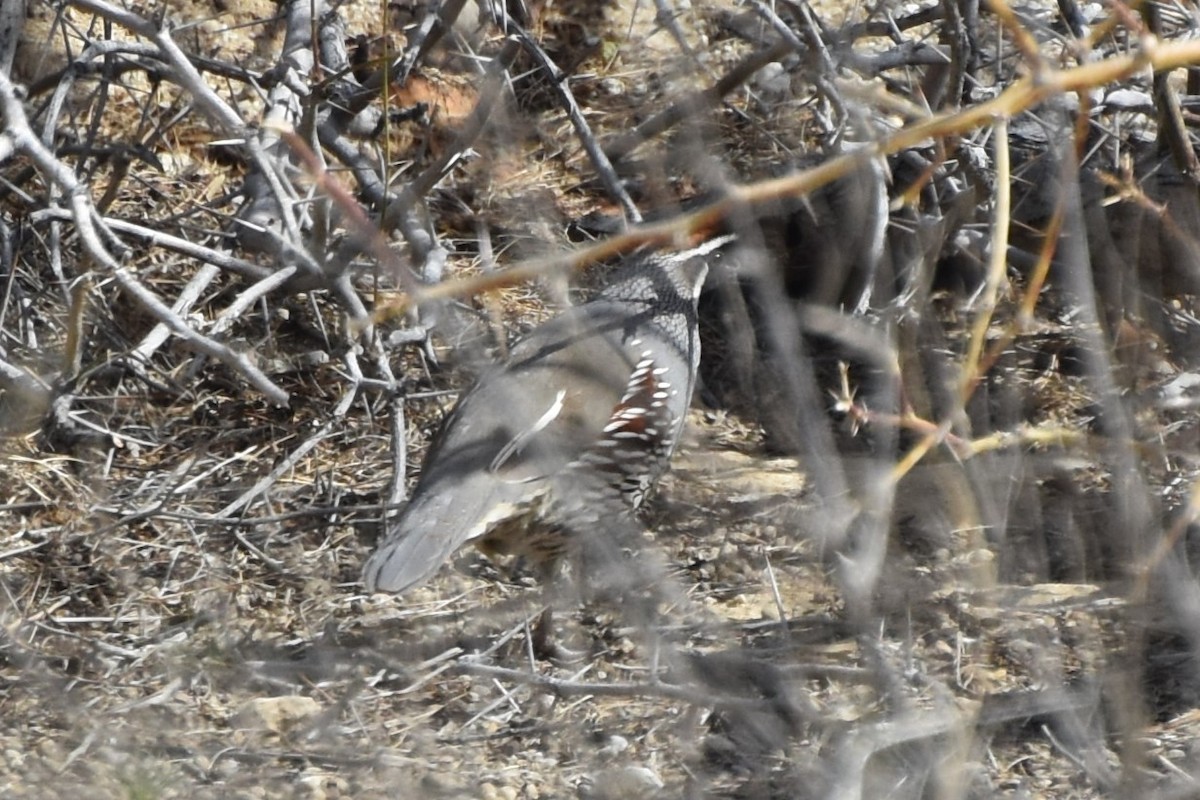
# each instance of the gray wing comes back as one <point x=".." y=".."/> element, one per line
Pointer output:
<point x="508" y="438"/>
<point x="434" y="525"/>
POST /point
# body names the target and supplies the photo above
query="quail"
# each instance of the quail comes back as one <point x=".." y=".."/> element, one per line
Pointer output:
<point x="566" y="435"/>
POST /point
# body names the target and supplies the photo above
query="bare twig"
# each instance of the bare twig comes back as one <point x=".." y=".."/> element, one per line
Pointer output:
<point x="600" y="160"/>
<point x="90" y="232"/>
<point x="695" y="104"/>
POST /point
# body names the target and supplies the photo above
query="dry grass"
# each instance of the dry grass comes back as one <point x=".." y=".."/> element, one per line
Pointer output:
<point x="1001" y="602"/>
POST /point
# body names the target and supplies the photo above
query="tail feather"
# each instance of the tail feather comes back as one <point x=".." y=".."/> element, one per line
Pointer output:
<point x="433" y="526"/>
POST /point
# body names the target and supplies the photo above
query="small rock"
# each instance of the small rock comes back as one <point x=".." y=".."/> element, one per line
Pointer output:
<point x="1128" y="100"/>
<point x="613" y="87"/>
<point x="614" y="747"/>
<point x="773" y="81"/>
<point x="324" y="787"/>
<point x="51" y="752"/>
<point x="621" y="783"/>
<point x="277" y="714"/>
